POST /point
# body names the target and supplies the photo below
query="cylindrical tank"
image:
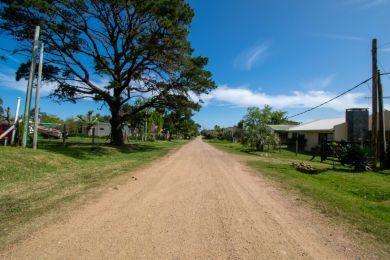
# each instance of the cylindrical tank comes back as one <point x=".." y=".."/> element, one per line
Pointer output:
<point x="357" y="124"/>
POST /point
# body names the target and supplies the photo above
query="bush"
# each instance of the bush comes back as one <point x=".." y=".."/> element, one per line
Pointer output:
<point x="354" y="155"/>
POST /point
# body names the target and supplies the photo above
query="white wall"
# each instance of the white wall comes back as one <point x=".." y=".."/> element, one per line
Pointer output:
<point x="312" y="140"/>
<point x="341" y="132"/>
<point x="387" y="121"/>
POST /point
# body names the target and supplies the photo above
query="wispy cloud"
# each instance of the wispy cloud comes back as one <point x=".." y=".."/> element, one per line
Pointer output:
<point x="367" y="3"/>
<point x="243" y="97"/>
<point x="319" y="83"/>
<point x="7" y="80"/>
<point x="343" y="37"/>
<point x="12" y="58"/>
<point x="248" y="58"/>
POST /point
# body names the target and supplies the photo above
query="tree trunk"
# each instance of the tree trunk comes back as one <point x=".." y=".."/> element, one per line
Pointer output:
<point x="116" y="128"/>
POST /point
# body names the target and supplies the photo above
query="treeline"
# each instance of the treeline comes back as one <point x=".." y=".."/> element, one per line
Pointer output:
<point x="253" y="130"/>
<point x="149" y="124"/>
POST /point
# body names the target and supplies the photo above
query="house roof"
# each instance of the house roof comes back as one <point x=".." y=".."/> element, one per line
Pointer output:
<point x="280" y="127"/>
<point x="318" y="125"/>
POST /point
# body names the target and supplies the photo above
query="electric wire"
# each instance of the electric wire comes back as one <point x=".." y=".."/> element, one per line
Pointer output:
<point x="383" y="68"/>
<point x="336" y="97"/>
<point x="330" y="100"/>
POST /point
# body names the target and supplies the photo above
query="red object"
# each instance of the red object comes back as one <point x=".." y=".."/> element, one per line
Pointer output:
<point x="3" y="128"/>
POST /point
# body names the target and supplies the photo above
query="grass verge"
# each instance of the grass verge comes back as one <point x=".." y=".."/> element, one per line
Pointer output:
<point x="360" y="199"/>
<point x="37" y="183"/>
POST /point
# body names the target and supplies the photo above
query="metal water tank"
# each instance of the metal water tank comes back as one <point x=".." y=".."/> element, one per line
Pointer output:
<point x="357" y="124"/>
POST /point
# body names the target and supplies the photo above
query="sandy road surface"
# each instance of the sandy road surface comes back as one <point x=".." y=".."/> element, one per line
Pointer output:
<point x="196" y="203"/>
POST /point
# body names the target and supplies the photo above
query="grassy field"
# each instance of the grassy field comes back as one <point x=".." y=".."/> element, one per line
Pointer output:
<point x="360" y="199"/>
<point x="35" y="184"/>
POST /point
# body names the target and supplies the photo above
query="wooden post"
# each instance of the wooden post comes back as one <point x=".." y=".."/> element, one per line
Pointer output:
<point x="296" y="147"/>
<point x="15" y="121"/>
<point x="374" y="123"/>
<point x="29" y="88"/>
<point x="381" y="119"/>
<point x="93" y="135"/>
<point x="37" y="96"/>
<point x="64" y="135"/>
<point x="146" y="126"/>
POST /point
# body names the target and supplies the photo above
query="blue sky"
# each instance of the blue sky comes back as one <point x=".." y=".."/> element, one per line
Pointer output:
<point x="290" y="54"/>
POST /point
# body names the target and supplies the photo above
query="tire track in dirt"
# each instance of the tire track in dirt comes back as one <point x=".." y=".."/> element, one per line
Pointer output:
<point x="197" y="203"/>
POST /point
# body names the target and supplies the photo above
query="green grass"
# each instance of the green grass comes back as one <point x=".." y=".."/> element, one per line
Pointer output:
<point x="36" y="183"/>
<point x="360" y="199"/>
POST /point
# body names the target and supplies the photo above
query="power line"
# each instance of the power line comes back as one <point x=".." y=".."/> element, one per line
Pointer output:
<point x="330" y="100"/>
<point x="383" y="68"/>
<point x="336" y="97"/>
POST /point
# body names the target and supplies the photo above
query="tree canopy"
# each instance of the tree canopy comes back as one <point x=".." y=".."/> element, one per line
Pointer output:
<point x="139" y="47"/>
<point x="256" y="132"/>
<point x="89" y="119"/>
<point x="47" y="118"/>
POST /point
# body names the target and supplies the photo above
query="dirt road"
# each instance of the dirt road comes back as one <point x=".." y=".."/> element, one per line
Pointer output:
<point x="196" y="203"/>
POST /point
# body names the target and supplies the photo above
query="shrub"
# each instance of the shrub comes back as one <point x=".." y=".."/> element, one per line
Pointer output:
<point x="354" y="155"/>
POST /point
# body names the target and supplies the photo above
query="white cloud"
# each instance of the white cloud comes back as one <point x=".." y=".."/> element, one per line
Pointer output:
<point x="7" y="80"/>
<point x="385" y="50"/>
<point x="339" y="37"/>
<point x="246" y="59"/>
<point x="243" y="97"/>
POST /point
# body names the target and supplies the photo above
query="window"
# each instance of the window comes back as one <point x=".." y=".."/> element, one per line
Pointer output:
<point x="324" y="137"/>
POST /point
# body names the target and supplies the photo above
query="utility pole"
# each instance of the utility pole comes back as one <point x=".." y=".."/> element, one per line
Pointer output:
<point x="374" y="123"/>
<point x="37" y="96"/>
<point x="381" y="119"/>
<point x="29" y="88"/>
<point x="146" y="126"/>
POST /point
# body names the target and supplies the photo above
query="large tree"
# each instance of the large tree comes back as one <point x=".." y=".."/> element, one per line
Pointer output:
<point x="178" y="119"/>
<point x="139" y="47"/>
<point x="256" y="133"/>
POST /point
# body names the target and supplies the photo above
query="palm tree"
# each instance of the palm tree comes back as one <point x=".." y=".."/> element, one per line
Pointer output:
<point x="89" y="120"/>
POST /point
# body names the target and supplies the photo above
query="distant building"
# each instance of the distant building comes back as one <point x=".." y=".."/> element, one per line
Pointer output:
<point x="101" y="129"/>
<point x="355" y="127"/>
<point x="315" y="131"/>
<point x="281" y="131"/>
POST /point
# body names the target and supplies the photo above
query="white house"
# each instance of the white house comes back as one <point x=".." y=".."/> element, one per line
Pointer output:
<point x="280" y="131"/>
<point x="331" y="129"/>
<point x="102" y="129"/>
<point x="315" y="131"/>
